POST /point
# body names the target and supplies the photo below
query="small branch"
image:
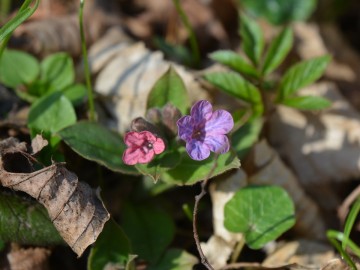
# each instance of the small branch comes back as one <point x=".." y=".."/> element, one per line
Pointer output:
<point x="204" y="260"/>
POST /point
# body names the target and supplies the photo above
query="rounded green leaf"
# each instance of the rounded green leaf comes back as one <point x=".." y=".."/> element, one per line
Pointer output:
<point x="235" y="62"/>
<point x="175" y="259"/>
<point x="51" y="113"/>
<point x="111" y="247"/>
<point x="307" y="102"/>
<point x="261" y="213"/>
<point x="301" y="75"/>
<point x="58" y="70"/>
<point x="280" y="11"/>
<point x="95" y="142"/>
<point x="150" y="230"/>
<point x="18" y="68"/>
<point x="170" y="88"/>
<point x="76" y="93"/>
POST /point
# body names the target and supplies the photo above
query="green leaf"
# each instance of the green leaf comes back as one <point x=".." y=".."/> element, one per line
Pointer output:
<point x="17" y="68"/>
<point x="278" y="50"/>
<point x="94" y="142"/>
<point x="175" y="259"/>
<point x="26" y="222"/>
<point x="170" y="88"/>
<point x="307" y="102"/>
<point x="301" y="75"/>
<point x="159" y="165"/>
<point x="58" y="71"/>
<point x="76" y="93"/>
<point x="350" y="220"/>
<point x="245" y="137"/>
<point x="51" y="113"/>
<point x="235" y="85"/>
<point x="280" y="11"/>
<point x="111" y="247"/>
<point x="261" y="213"/>
<point x="252" y="38"/>
<point x="235" y="62"/>
<point x="189" y="171"/>
<point x="150" y="230"/>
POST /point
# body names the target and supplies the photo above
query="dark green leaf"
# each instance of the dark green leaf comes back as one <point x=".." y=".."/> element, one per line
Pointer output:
<point x="26" y="222"/>
<point x="189" y="171"/>
<point x="159" y="165"/>
<point x="175" y="259"/>
<point x="245" y="137"/>
<point x="150" y="230"/>
<point x="170" y="88"/>
<point x="252" y="38"/>
<point x="235" y="85"/>
<point x="111" y="247"/>
<point x="301" y="75"/>
<point x="307" y="102"/>
<point x="18" y="68"/>
<point x="51" y="113"/>
<point x="235" y="62"/>
<point x="58" y="71"/>
<point x="94" y="142"/>
<point x="278" y="50"/>
<point x="261" y="213"/>
<point x="280" y="11"/>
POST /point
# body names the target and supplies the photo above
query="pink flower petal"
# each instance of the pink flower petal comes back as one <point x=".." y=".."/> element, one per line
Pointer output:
<point x="158" y="146"/>
<point x="131" y="156"/>
<point x="146" y="157"/>
<point x="148" y="136"/>
<point x="134" y="139"/>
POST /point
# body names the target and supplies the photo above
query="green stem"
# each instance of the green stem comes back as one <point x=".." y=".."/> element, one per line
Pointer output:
<point x="350" y="222"/>
<point x="4" y="8"/>
<point x="86" y="63"/>
<point x="193" y="41"/>
<point x="237" y="251"/>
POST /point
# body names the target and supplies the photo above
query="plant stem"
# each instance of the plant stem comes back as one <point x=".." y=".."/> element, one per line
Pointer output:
<point x="237" y="251"/>
<point x="193" y="41"/>
<point x="86" y="63"/>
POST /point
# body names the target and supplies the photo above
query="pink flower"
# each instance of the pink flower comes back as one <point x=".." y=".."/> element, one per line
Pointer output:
<point x="142" y="147"/>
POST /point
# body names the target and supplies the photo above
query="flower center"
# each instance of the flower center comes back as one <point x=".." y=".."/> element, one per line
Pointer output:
<point x="197" y="134"/>
<point x="147" y="146"/>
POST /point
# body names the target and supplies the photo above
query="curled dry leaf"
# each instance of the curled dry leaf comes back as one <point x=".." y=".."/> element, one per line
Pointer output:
<point x="270" y="170"/>
<point x="339" y="264"/>
<point x="127" y="72"/>
<point x="73" y="207"/>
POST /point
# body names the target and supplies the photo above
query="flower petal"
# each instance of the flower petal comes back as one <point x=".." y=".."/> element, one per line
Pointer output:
<point x="148" y="136"/>
<point x="131" y="156"/>
<point x="218" y="144"/>
<point x="201" y="111"/>
<point x="134" y="139"/>
<point x="146" y="157"/>
<point x="185" y="127"/>
<point x="220" y="123"/>
<point x="197" y="150"/>
<point x="159" y="146"/>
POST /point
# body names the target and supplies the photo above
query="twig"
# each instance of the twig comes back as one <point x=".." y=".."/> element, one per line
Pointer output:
<point x="344" y="208"/>
<point x="198" y="197"/>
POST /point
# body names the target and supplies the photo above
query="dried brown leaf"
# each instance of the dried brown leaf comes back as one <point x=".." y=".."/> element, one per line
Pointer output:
<point x="75" y="210"/>
<point x="27" y="259"/>
<point x="38" y="143"/>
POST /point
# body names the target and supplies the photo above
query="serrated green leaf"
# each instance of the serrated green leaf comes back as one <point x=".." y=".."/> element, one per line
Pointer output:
<point x="252" y="38"/>
<point x="170" y="88"/>
<point x="26" y="222"/>
<point x="280" y="11"/>
<point x="235" y="85"/>
<point x="235" y="62"/>
<point x="307" y="102"/>
<point x="189" y="171"/>
<point x="95" y="142"/>
<point x="301" y="75"/>
<point x="159" y="165"/>
<point x="175" y="259"/>
<point x="278" y="50"/>
<point x="111" y="247"/>
<point x="58" y="71"/>
<point x="50" y="114"/>
<point x="17" y="68"/>
<point x="261" y="213"/>
<point x="150" y="230"/>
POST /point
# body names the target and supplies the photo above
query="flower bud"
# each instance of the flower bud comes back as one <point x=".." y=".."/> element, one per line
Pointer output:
<point x="154" y="115"/>
<point x="170" y="115"/>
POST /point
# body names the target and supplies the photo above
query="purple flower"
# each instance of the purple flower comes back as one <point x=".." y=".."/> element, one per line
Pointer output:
<point x="204" y="130"/>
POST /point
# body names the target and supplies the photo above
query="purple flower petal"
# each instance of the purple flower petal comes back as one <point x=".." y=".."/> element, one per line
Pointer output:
<point x="221" y="122"/>
<point x="218" y="144"/>
<point x="197" y="150"/>
<point x="185" y="127"/>
<point x="201" y="112"/>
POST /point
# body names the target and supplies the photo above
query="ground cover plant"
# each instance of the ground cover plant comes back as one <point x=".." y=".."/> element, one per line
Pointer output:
<point x="127" y="160"/>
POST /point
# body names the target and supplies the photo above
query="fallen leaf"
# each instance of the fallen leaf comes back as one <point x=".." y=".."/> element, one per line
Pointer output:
<point x="73" y="207"/>
<point x="38" y="143"/>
